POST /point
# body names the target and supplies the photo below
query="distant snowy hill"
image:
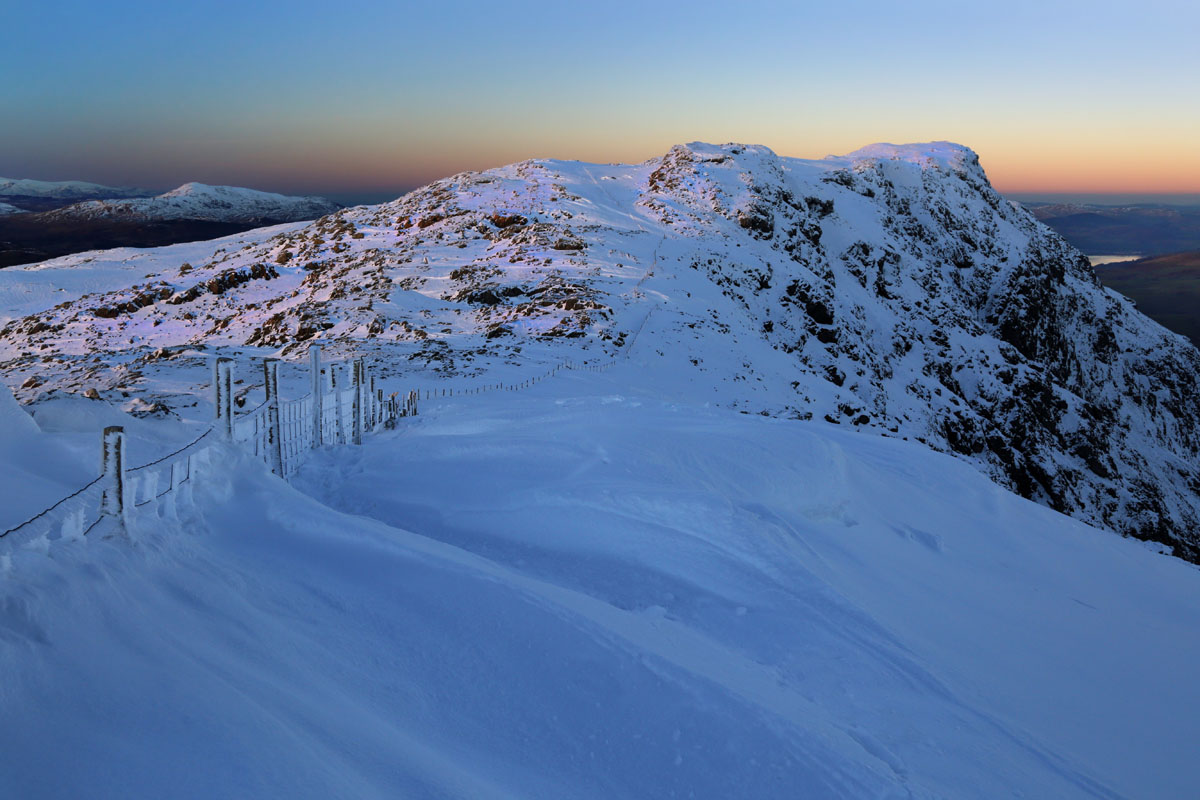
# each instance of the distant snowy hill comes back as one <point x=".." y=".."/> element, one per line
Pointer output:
<point x="5" y="208"/>
<point x="198" y="201"/>
<point x="64" y="190"/>
<point x="891" y="291"/>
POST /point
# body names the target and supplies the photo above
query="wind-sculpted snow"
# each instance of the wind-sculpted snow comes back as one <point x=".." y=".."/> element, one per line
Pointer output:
<point x="891" y="290"/>
<point x="592" y="590"/>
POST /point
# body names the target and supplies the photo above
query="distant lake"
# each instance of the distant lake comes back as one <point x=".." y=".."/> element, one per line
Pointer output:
<point x="1098" y="260"/>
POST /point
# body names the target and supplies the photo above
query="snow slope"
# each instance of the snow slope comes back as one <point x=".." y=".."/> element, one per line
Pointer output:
<point x="32" y="288"/>
<point x="198" y="201"/>
<point x="891" y="290"/>
<point x="594" y="590"/>
<point x="6" y="208"/>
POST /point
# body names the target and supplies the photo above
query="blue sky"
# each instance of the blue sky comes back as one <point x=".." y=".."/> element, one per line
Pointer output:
<point x="375" y="97"/>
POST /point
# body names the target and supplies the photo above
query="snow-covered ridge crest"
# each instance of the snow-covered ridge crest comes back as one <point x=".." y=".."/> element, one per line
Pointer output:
<point x="943" y="155"/>
<point x="198" y="201"/>
<point x="891" y="290"/>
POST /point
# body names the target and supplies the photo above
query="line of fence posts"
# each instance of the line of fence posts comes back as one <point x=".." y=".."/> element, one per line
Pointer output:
<point x="370" y="409"/>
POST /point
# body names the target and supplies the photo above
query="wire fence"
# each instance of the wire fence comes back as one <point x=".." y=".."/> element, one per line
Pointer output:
<point x="343" y="406"/>
<point x="277" y="431"/>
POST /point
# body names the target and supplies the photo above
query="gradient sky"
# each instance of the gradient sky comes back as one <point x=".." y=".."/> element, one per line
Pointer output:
<point x="369" y="99"/>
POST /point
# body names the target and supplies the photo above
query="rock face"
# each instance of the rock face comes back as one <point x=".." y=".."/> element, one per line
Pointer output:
<point x="934" y="305"/>
<point x="891" y="289"/>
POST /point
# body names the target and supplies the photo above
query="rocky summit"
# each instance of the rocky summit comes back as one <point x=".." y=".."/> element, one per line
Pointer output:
<point x="891" y="290"/>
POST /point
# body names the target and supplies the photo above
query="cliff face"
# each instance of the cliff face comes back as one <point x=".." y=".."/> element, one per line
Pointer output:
<point x="936" y="307"/>
<point x="891" y="289"/>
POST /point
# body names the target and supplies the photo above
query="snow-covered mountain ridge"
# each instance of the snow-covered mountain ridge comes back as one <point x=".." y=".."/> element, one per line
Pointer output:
<point x="891" y="289"/>
<point x="65" y="190"/>
<point x="198" y="201"/>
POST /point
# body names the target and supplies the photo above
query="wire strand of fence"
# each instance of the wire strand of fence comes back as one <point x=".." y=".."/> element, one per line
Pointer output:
<point x="158" y="461"/>
<point x="46" y="511"/>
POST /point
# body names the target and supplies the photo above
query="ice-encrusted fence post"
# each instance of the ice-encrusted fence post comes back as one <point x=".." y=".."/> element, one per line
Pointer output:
<point x="356" y="402"/>
<point x="216" y="389"/>
<point x="318" y="394"/>
<point x="374" y="400"/>
<point x="368" y="398"/>
<point x="112" y="467"/>
<point x="341" y="406"/>
<point x="274" y="444"/>
<point x="224" y="396"/>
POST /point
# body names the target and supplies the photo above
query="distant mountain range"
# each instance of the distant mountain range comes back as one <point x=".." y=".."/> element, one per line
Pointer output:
<point x="32" y="195"/>
<point x="198" y="201"/>
<point x="40" y="219"/>
<point x="1136" y="230"/>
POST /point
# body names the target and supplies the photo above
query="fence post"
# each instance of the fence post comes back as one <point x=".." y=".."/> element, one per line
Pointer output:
<point x="274" y="444"/>
<point x="368" y="399"/>
<point x="112" y="467"/>
<point x="356" y="401"/>
<point x="216" y="388"/>
<point x="340" y="423"/>
<point x="224" y="397"/>
<point x="318" y="394"/>
<point x="374" y="403"/>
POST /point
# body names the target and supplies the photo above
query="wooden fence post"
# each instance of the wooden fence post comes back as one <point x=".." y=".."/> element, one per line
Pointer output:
<point x="318" y="394"/>
<point x="341" y="406"/>
<point x="224" y="397"/>
<point x="374" y="402"/>
<point x="112" y="467"/>
<point x="356" y="401"/>
<point x="274" y="441"/>
<point x="216" y="389"/>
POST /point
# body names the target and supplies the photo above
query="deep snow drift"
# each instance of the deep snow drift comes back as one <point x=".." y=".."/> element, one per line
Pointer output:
<point x="590" y="590"/>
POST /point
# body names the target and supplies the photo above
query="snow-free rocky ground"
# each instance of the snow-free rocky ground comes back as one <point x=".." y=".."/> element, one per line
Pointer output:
<point x="732" y="565"/>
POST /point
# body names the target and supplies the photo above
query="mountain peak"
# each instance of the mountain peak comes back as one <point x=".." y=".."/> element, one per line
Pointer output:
<point x="943" y="155"/>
